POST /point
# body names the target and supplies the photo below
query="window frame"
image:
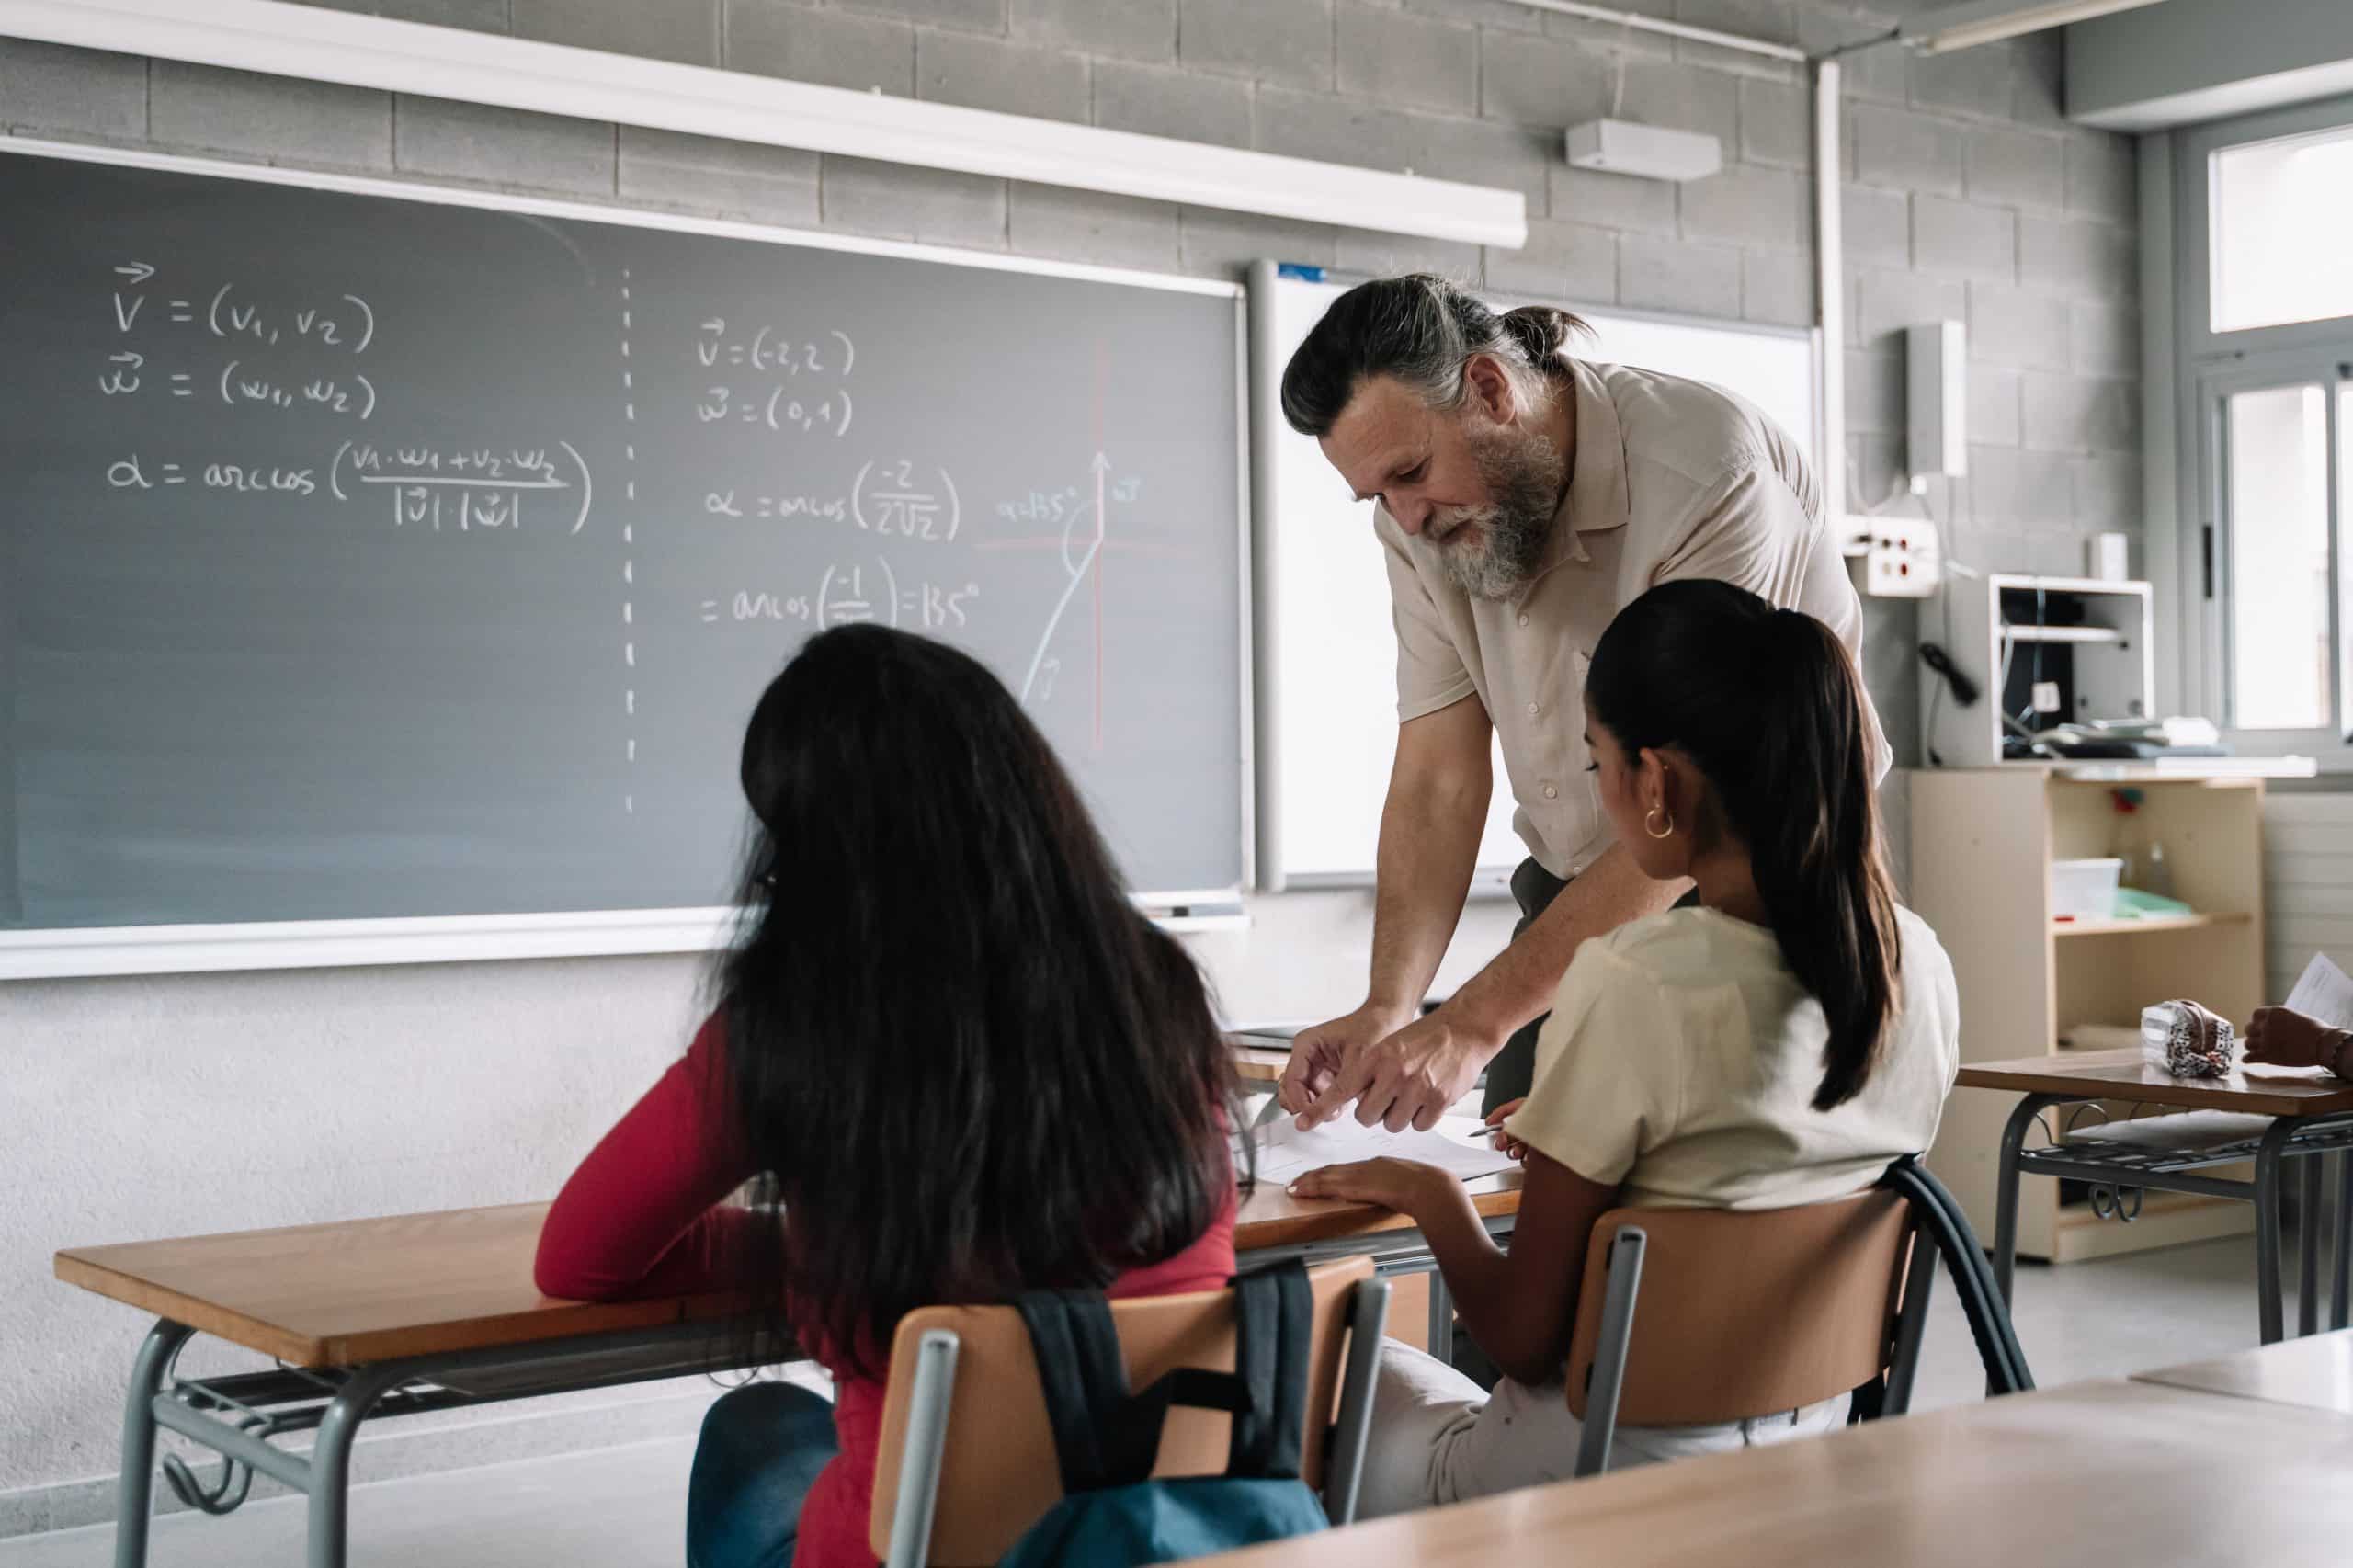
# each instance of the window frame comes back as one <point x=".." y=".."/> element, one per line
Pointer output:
<point x="2192" y="570"/>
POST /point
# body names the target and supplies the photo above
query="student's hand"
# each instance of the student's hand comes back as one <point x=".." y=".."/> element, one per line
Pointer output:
<point x="1408" y="1079"/>
<point x="1319" y="1056"/>
<point x="1505" y="1143"/>
<point x="1402" y="1185"/>
<point x="2281" y="1037"/>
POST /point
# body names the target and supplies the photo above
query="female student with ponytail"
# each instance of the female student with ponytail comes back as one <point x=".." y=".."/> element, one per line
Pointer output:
<point x="1776" y="1044"/>
<point x="964" y="1061"/>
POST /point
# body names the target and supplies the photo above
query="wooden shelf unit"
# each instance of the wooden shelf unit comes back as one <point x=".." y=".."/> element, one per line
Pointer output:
<point x="1982" y="840"/>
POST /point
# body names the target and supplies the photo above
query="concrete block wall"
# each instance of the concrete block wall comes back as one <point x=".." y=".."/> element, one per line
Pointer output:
<point x="1967" y="197"/>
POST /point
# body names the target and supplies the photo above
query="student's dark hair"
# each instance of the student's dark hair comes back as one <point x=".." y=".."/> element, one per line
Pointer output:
<point x="1422" y="330"/>
<point x="1767" y="704"/>
<point x="968" y="1064"/>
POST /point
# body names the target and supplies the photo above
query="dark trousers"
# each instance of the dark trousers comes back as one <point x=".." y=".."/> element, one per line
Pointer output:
<point x="762" y="1447"/>
<point x="1512" y="1071"/>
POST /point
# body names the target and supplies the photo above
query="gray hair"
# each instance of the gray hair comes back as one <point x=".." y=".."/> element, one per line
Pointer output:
<point x="1422" y="330"/>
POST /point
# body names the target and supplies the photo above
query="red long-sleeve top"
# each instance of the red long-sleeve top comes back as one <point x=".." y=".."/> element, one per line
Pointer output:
<point x="642" y="1216"/>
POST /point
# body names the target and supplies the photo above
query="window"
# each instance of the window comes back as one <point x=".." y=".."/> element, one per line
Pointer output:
<point x="2282" y="231"/>
<point x="2263" y="208"/>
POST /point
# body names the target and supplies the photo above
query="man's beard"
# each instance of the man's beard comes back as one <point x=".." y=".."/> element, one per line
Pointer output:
<point x="1523" y="472"/>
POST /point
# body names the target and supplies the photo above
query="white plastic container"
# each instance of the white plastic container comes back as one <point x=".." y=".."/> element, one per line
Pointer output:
<point x="2085" y="889"/>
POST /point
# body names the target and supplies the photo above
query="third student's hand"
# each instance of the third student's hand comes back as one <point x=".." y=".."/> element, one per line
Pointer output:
<point x="1401" y="1185"/>
<point x="1505" y="1143"/>
<point x="2281" y="1037"/>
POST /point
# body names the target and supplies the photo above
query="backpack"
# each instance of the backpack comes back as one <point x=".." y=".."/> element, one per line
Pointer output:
<point x="1113" y="1515"/>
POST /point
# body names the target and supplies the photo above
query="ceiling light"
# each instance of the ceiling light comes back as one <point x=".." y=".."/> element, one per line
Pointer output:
<point x="1990" y="21"/>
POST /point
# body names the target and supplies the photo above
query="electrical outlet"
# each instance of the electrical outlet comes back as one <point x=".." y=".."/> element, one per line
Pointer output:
<point x="1900" y="561"/>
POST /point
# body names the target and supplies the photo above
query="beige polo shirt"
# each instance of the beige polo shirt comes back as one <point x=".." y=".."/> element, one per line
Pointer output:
<point x="1673" y="479"/>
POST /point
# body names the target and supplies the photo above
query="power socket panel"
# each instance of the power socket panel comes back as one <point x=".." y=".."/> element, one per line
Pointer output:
<point x="1901" y="560"/>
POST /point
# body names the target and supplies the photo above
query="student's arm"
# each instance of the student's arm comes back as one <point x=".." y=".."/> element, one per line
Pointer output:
<point x="641" y="1217"/>
<point x="2281" y="1037"/>
<point x="1520" y="1306"/>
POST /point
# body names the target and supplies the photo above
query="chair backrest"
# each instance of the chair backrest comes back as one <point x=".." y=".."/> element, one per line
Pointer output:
<point x="1744" y="1313"/>
<point x="999" y="1473"/>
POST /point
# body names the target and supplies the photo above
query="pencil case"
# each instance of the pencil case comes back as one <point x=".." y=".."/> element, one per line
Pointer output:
<point x="2188" y="1041"/>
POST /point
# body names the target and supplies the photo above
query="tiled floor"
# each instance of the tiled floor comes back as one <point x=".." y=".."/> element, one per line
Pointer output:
<point x="624" y="1507"/>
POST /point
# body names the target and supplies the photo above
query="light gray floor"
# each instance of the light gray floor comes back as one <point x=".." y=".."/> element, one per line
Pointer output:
<point x="625" y="1507"/>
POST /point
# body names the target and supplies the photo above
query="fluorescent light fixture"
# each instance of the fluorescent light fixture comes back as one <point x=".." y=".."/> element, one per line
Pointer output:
<point x="1990" y="21"/>
<point x="310" y="42"/>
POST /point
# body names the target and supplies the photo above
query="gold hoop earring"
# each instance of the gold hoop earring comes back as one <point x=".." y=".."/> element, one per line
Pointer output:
<point x="1667" y="832"/>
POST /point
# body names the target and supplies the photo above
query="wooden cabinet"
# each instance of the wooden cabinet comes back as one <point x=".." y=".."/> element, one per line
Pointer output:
<point x="1982" y="841"/>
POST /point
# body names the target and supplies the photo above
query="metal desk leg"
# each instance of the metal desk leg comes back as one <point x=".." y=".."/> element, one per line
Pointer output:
<point x="2267" y="1228"/>
<point x="135" y="1495"/>
<point x="2342" y="1298"/>
<point x="331" y="1461"/>
<point x="2308" y="1246"/>
<point x="2006" y="1190"/>
<point x="1441" y="1319"/>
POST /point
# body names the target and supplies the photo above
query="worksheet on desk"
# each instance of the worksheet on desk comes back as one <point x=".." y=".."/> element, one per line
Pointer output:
<point x="1285" y="1154"/>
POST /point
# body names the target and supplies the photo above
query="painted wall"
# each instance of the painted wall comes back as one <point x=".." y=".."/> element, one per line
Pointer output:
<point x="154" y="1106"/>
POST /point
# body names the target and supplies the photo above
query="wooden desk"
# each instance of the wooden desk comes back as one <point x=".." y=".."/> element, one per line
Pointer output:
<point x="2310" y="1115"/>
<point x="2316" y="1372"/>
<point x="2093" y="1472"/>
<point x="427" y="1312"/>
<point x="1259" y="1064"/>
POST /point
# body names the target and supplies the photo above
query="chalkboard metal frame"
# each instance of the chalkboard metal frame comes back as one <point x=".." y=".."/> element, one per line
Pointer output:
<point x="62" y="952"/>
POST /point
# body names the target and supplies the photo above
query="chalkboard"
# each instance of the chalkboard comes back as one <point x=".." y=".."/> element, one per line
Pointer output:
<point x="370" y="552"/>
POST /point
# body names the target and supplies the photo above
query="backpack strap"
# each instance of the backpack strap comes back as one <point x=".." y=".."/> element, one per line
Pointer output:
<point x="1274" y="1315"/>
<point x="1104" y="1437"/>
<point x="1086" y="1385"/>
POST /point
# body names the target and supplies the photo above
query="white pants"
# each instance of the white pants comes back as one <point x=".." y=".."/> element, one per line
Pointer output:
<point x="1437" y="1438"/>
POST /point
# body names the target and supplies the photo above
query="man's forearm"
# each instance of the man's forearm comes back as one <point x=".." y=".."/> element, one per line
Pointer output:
<point x="1520" y="982"/>
<point x="1429" y="845"/>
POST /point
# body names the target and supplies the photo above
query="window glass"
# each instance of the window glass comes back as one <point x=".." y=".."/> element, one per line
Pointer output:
<point x="2280" y="659"/>
<point x="2282" y="224"/>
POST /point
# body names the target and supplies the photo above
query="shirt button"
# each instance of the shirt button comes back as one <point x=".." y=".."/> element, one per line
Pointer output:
<point x="1534" y="709"/>
<point x="1523" y="620"/>
<point x="1550" y="793"/>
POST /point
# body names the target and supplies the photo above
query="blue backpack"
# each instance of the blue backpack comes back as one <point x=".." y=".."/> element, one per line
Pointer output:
<point x="1113" y="1515"/>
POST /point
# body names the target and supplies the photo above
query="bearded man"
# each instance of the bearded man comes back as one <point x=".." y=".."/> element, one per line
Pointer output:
<point x="1522" y="497"/>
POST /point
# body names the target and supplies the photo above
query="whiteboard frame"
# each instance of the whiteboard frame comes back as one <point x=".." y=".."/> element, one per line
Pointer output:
<point x="57" y="952"/>
<point x="1487" y="881"/>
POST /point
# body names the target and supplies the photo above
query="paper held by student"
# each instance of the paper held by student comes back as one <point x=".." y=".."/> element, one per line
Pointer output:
<point x="2324" y="993"/>
<point x="1285" y="1154"/>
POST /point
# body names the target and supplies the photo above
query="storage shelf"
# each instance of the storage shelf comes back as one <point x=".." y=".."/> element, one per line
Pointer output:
<point x="2112" y="926"/>
<point x="2016" y="633"/>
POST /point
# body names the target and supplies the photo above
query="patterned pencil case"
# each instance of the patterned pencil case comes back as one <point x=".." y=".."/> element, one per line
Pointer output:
<point x="2188" y="1040"/>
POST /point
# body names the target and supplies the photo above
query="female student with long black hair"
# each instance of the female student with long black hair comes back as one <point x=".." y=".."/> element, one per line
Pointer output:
<point x="968" y="1065"/>
<point x="1779" y="1043"/>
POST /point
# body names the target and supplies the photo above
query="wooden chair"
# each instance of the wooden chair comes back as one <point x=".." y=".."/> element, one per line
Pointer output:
<point x="1748" y="1313"/>
<point x="966" y="1417"/>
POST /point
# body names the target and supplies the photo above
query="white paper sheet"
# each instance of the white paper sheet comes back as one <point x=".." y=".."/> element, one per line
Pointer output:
<point x="1285" y="1154"/>
<point x="2324" y="993"/>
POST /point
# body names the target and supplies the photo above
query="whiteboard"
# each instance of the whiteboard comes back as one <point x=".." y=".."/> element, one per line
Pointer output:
<point x="1326" y="655"/>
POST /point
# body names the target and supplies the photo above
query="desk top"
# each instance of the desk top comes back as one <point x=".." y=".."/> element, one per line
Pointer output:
<point x="1259" y="1063"/>
<point x="336" y="1295"/>
<point x="356" y="1290"/>
<point x="2124" y="1076"/>
<point x="2315" y="1372"/>
<point x="1272" y="1217"/>
<point x="2154" y="1475"/>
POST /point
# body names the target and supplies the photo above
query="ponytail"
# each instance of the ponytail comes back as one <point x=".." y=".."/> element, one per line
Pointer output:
<point x="1768" y="705"/>
<point x="1421" y="330"/>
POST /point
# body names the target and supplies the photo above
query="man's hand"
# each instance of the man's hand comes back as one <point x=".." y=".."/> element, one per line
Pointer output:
<point x="1320" y="1054"/>
<point x="2279" y="1036"/>
<point x="1410" y="1077"/>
